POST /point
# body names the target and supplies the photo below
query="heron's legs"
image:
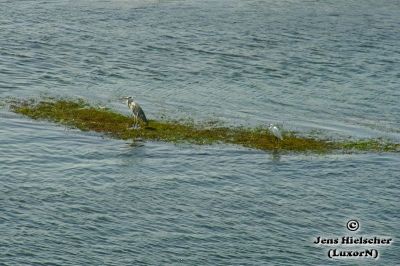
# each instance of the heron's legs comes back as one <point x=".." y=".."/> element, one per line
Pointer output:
<point x="135" y="122"/>
<point x="277" y="143"/>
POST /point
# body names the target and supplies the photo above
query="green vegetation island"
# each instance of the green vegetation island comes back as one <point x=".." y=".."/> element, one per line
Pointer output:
<point x="79" y="114"/>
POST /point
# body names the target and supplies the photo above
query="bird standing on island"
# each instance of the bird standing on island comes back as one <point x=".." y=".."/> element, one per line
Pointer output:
<point x="275" y="131"/>
<point x="137" y="112"/>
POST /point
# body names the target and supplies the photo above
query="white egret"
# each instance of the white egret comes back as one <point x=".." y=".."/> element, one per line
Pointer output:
<point x="275" y="131"/>
<point x="137" y="112"/>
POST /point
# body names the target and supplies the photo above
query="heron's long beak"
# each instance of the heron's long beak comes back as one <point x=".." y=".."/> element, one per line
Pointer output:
<point x="124" y="98"/>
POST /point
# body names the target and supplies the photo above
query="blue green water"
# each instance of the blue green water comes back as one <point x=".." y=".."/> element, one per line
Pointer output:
<point x="326" y="67"/>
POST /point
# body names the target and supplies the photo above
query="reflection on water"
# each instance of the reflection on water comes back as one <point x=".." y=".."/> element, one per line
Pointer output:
<point x="275" y="156"/>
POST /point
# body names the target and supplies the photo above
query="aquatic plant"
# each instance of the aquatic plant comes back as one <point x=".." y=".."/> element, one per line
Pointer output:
<point x="79" y="114"/>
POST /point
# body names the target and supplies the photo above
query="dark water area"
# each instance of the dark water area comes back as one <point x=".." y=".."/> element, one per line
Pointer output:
<point x="326" y="68"/>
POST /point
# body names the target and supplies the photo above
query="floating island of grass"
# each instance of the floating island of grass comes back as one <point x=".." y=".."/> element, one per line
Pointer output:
<point x="79" y="114"/>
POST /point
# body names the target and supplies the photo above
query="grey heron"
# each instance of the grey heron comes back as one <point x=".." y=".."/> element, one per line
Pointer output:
<point x="275" y="131"/>
<point x="137" y="112"/>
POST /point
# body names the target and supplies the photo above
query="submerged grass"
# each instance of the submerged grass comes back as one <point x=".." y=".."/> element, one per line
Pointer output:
<point x="78" y="114"/>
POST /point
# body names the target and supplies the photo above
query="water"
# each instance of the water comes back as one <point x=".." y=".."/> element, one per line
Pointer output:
<point x="73" y="198"/>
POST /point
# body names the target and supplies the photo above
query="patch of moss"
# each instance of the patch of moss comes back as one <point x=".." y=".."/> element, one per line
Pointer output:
<point x="80" y="115"/>
<point x="371" y="145"/>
